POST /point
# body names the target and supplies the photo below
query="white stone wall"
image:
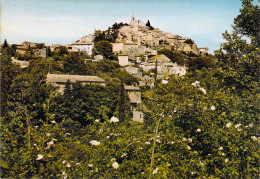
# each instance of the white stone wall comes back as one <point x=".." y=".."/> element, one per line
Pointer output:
<point x="123" y="60"/>
<point x="84" y="47"/>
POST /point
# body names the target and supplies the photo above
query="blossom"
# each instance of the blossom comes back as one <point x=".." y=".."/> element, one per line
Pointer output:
<point x="124" y="154"/>
<point x="226" y="160"/>
<point x="203" y="90"/>
<point x="50" y="143"/>
<point x="68" y="165"/>
<point x="220" y="148"/>
<point x="113" y="159"/>
<point x="147" y="142"/>
<point x="90" y="165"/>
<point x="114" y="119"/>
<point x="115" y="165"/>
<point x="198" y="130"/>
<point x="228" y="125"/>
<point x="188" y="147"/>
<point x="213" y="108"/>
<point x="64" y="174"/>
<point x="171" y="142"/>
<point x="251" y="125"/>
<point x="53" y="122"/>
<point x="63" y="161"/>
<point x="67" y="134"/>
<point x="157" y="140"/>
<point x="108" y="137"/>
<point x="77" y="163"/>
<point x="254" y="138"/>
<point x="174" y="110"/>
<point x="97" y="120"/>
<point x="196" y="84"/>
<point x="48" y="134"/>
<point x="156" y="170"/>
<point x="39" y="157"/>
<point x="223" y="154"/>
<point x="193" y="173"/>
<point x="239" y="130"/>
<point x="238" y="125"/>
<point x="94" y="142"/>
<point x="164" y="81"/>
<point x="189" y="139"/>
<point x="201" y="163"/>
<point x="184" y="139"/>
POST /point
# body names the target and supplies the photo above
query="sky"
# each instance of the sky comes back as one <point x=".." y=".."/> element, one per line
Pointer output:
<point x="65" y="21"/>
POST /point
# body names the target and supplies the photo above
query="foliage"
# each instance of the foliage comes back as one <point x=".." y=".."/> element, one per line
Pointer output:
<point x="102" y="48"/>
<point x="175" y="56"/>
<point x="248" y="21"/>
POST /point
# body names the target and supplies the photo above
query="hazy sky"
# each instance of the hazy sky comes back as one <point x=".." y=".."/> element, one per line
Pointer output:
<point x="65" y="21"/>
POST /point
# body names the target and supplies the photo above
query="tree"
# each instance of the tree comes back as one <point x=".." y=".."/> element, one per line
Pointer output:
<point x="103" y="48"/>
<point x="74" y="64"/>
<point x="148" y="24"/>
<point x="248" y="21"/>
<point x="5" y="44"/>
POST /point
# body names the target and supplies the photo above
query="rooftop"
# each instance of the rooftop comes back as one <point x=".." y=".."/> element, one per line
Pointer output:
<point x="61" y="78"/>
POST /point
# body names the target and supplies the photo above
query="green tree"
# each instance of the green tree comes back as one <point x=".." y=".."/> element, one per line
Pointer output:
<point x="248" y="21"/>
<point x="103" y="48"/>
<point x="5" y="44"/>
<point x="74" y="64"/>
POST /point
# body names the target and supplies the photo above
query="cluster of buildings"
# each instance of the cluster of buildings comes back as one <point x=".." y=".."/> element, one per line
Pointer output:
<point x="137" y="48"/>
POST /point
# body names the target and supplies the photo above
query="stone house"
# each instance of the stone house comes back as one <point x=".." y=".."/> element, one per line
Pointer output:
<point x="59" y="80"/>
<point x="123" y="59"/>
<point x="204" y="50"/>
<point x="84" y="47"/>
<point x="134" y="94"/>
<point x="23" y="64"/>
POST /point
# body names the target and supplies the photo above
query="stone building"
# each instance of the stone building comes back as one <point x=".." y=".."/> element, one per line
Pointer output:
<point x="134" y="94"/>
<point x="59" y="80"/>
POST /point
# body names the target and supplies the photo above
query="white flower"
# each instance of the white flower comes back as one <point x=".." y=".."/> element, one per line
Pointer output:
<point x="201" y="163"/>
<point x="53" y="122"/>
<point x="64" y="174"/>
<point x="205" y="108"/>
<point x="77" y="163"/>
<point x="68" y="165"/>
<point x="193" y="173"/>
<point x="220" y="148"/>
<point x="171" y="142"/>
<point x="113" y="159"/>
<point x="39" y="157"/>
<point x="157" y="140"/>
<point x="251" y="125"/>
<point x="67" y="134"/>
<point x="196" y="84"/>
<point x="48" y="134"/>
<point x="50" y="143"/>
<point x="164" y="81"/>
<point x="213" y="108"/>
<point x="63" y="161"/>
<point x="156" y="170"/>
<point x="188" y="147"/>
<point x="147" y="143"/>
<point x="238" y="125"/>
<point x="203" y="90"/>
<point x="108" y="137"/>
<point x="228" y="125"/>
<point x="111" y="134"/>
<point x="90" y="165"/>
<point x="35" y="144"/>
<point x="198" y="130"/>
<point x="223" y="154"/>
<point x="226" y="160"/>
<point x="239" y="130"/>
<point x="124" y="154"/>
<point x="189" y="139"/>
<point x="114" y="119"/>
<point x="97" y="120"/>
<point x="254" y="138"/>
<point x="115" y="165"/>
<point x="94" y="142"/>
<point x="174" y="110"/>
<point x="36" y="127"/>
<point x="184" y="139"/>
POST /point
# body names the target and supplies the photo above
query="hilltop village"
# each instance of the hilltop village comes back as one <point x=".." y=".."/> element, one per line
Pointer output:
<point x="144" y="52"/>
